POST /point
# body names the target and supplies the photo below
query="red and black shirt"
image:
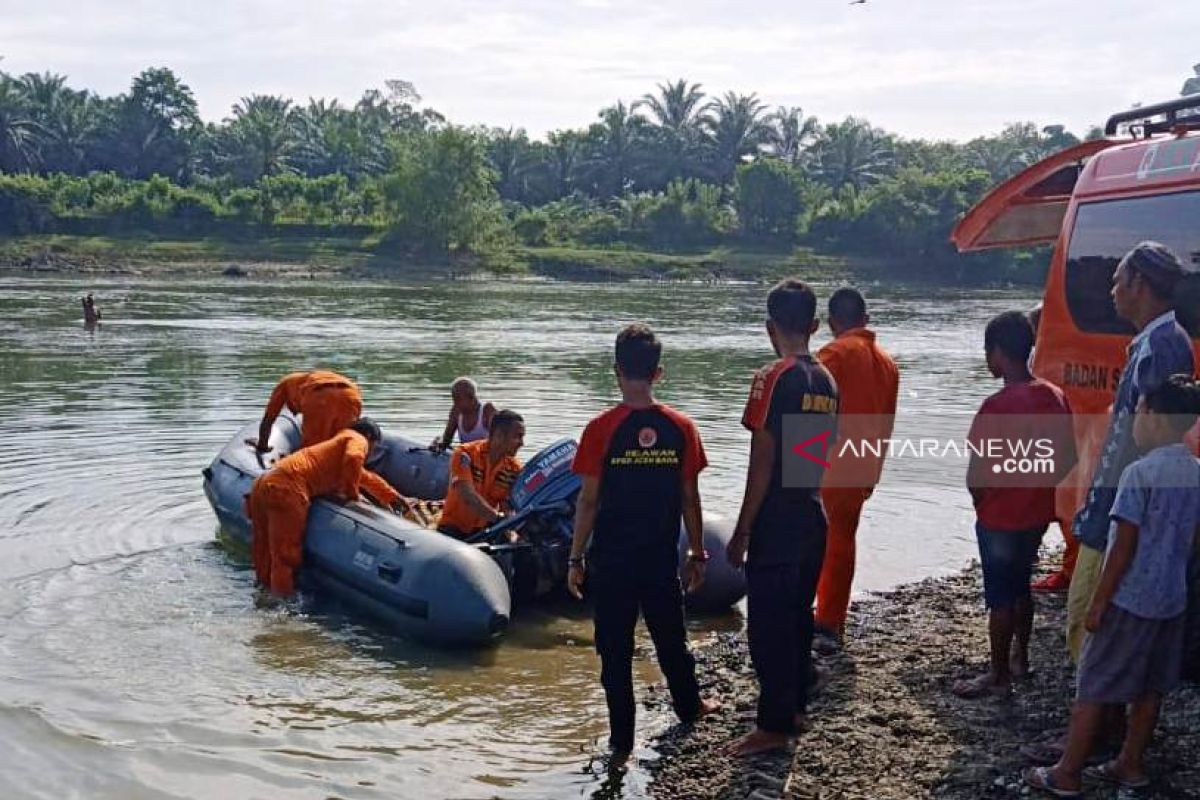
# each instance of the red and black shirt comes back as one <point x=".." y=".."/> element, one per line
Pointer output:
<point x="642" y="456"/>
<point x="795" y="398"/>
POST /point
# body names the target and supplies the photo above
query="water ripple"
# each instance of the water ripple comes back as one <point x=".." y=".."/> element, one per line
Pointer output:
<point x="136" y="658"/>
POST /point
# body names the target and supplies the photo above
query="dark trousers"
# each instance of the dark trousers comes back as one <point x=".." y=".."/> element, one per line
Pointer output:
<point x="779" y="602"/>
<point x="620" y="593"/>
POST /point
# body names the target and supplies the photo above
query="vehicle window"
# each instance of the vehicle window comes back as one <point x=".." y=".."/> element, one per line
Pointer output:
<point x="1106" y="231"/>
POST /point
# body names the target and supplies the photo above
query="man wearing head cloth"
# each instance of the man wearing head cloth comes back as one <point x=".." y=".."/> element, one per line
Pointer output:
<point x="1144" y="286"/>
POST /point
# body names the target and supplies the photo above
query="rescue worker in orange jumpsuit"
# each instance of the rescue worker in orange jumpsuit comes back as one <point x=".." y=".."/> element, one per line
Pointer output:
<point x="869" y="382"/>
<point x="279" y="499"/>
<point x="329" y="402"/>
<point x="482" y="474"/>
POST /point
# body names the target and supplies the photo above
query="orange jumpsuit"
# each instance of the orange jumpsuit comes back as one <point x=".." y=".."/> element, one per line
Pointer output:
<point x="493" y="483"/>
<point x="279" y="500"/>
<point x="868" y="384"/>
<point x="328" y="401"/>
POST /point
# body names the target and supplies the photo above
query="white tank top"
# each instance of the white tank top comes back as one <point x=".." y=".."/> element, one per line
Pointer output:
<point x="480" y="430"/>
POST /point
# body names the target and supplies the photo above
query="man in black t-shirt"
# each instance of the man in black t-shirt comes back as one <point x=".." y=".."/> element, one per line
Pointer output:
<point x="792" y="415"/>
<point x="639" y="462"/>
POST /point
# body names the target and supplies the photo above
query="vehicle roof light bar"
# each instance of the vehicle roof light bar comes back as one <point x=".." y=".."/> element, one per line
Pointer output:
<point x="1170" y="109"/>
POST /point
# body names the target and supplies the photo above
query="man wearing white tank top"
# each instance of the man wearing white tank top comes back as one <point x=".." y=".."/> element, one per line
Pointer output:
<point x="469" y="416"/>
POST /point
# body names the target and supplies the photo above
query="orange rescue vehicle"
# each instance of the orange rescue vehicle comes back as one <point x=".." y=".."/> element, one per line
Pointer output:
<point x="1095" y="201"/>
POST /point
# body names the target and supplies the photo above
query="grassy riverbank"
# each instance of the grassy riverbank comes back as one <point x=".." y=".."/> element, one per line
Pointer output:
<point x="887" y="726"/>
<point x="357" y="256"/>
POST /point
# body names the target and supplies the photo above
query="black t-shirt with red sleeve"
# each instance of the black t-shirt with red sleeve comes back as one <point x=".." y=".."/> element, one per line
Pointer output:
<point x="795" y="398"/>
<point x="641" y="456"/>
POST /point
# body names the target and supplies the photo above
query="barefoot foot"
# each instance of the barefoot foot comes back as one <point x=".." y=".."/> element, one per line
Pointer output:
<point x="757" y="741"/>
<point x="985" y="685"/>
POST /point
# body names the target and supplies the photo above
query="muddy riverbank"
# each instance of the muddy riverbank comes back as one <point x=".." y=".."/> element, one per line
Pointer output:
<point x="887" y="726"/>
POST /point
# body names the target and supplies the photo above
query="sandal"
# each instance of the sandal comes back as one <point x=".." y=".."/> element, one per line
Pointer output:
<point x="1106" y="773"/>
<point x="1039" y="778"/>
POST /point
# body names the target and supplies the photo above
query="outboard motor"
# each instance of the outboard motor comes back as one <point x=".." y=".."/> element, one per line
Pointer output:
<point x="543" y="504"/>
<point x="548" y="489"/>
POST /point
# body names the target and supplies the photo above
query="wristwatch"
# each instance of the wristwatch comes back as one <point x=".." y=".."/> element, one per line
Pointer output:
<point x="700" y="557"/>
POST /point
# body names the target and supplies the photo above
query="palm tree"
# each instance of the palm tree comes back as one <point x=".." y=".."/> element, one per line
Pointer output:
<point x="679" y="113"/>
<point x="69" y="121"/>
<point x="790" y="133"/>
<point x="18" y="130"/>
<point x="41" y="90"/>
<point x="1055" y="138"/>
<point x="261" y="137"/>
<point x="617" y="149"/>
<point x="999" y="158"/>
<point x="852" y="153"/>
<point x="314" y="125"/>
<point x="508" y="152"/>
<point x="565" y="149"/>
<point x="737" y="129"/>
<point x="153" y="128"/>
<point x="1016" y="147"/>
<point x="678" y="107"/>
<point x="332" y="139"/>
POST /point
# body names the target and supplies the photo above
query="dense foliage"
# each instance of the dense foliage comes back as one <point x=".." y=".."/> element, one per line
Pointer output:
<point x="675" y="169"/>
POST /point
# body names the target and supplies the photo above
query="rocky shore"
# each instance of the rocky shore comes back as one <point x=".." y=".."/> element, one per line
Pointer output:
<point x="886" y="725"/>
<point x="49" y="262"/>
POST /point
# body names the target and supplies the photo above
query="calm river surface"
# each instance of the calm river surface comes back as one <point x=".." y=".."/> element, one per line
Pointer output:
<point x="134" y="658"/>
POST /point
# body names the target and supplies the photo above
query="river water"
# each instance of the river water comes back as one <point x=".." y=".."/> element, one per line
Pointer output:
<point x="135" y="657"/>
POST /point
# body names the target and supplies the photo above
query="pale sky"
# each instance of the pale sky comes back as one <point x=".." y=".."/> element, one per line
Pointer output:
<point x="927" y="68"/>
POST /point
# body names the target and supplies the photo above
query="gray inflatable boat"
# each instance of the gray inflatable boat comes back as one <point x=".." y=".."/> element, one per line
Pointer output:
<point x="418" y="582"/>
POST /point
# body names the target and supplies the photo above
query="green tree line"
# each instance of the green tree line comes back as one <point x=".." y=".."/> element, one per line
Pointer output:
<point x="674" y="169"/>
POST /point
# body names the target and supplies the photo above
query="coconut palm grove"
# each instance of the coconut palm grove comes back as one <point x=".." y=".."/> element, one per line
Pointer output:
<point x="679" y="170"/>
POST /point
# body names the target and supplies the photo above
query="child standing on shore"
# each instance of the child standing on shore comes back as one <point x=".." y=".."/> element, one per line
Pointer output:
<point x="1134" y="649"/>
<point x="1012" y="509"/>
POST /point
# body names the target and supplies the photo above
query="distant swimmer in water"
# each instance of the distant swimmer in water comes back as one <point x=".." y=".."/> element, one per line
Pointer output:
<point x="91" y="315"/>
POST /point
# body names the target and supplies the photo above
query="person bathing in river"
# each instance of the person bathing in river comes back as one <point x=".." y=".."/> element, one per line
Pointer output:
<point x="327" y="401"/>
<point x="469" y="416"/>
<point x="482" y="474"/>
<point x="639" y="463"/>
<point x="279" y="499"/>
<point x="1133" y="650"/>
<point x="91" y="314"/>
<point x="780" y="532"/>
<point x="1013" y="510"/>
